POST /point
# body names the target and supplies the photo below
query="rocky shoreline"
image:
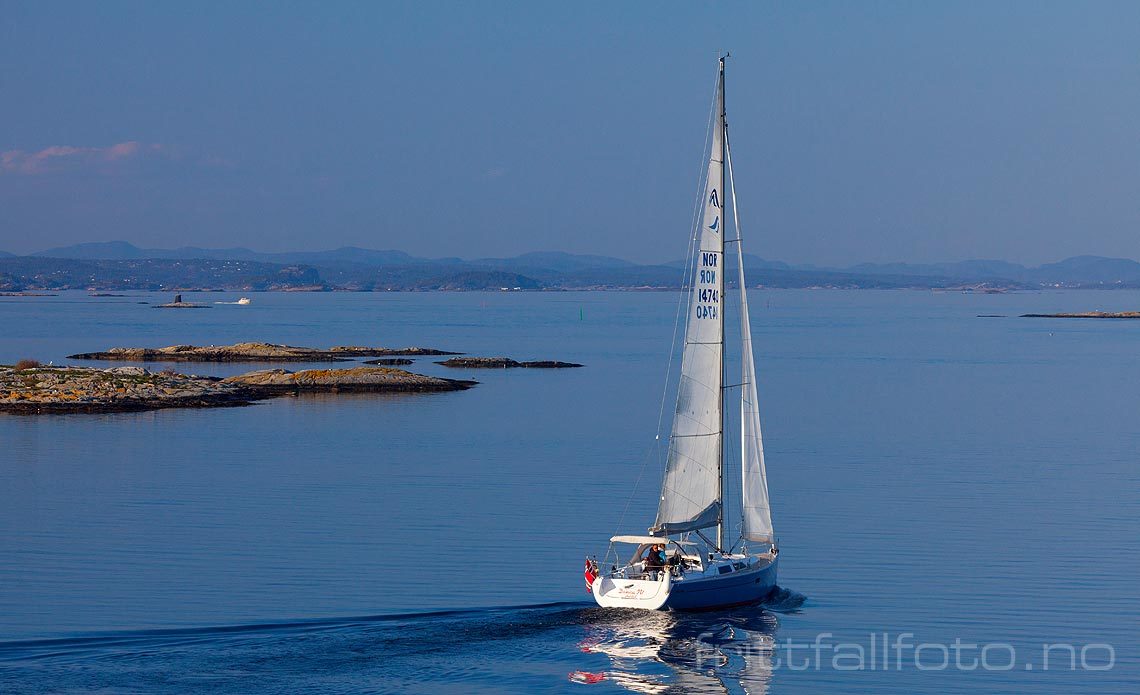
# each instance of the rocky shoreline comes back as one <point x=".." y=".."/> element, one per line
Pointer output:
<point x="88" y="390"/>
<point x="251" y="352"/>
<point x="40" y="390"/>
<point x="504" y="363"/>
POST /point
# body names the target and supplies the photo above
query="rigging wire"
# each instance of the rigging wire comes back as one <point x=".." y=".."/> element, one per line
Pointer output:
<point x="690" y="255"/>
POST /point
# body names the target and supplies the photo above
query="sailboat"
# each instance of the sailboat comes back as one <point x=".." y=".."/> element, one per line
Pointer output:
<point x="685" y="568"/>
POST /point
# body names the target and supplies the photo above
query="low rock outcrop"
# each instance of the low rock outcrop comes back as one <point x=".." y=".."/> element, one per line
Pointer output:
<point x="181" y="305"/>
<point x="356" y="379"/>
<point x="504" y="363"/>
<point x="1087" y="315"/>
<point x="92" y="390"/>
<point x="250" y="352"/>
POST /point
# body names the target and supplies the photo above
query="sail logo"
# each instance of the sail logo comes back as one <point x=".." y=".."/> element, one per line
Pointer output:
<point x="714" y="201"/>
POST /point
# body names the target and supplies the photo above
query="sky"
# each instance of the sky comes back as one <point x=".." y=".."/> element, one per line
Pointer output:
<point x="862" y="132"/>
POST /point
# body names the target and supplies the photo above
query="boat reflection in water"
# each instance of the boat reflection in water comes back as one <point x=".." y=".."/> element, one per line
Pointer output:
<point x="659" y="652"/>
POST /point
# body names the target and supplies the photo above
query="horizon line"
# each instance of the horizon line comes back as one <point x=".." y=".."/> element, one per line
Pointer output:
<point x="44" y="253"/>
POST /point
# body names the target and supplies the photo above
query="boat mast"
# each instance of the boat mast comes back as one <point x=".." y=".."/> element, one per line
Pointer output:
<point x="723" y="181"/>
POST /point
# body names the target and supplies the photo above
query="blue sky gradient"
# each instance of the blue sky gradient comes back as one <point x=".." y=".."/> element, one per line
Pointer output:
<point x="871" y="131"/>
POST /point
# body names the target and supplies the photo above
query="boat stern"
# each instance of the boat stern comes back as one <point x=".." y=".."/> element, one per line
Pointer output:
<point x="649" y="594"/>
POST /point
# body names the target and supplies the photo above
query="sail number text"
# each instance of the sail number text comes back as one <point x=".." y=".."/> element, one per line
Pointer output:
<point x="708" y="293"/>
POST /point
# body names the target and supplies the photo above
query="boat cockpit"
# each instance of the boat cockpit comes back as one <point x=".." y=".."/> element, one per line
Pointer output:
<point x="683" y="559"/>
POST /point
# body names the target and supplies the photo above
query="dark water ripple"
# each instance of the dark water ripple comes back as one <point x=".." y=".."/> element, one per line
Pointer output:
<point x="533" y="648"/>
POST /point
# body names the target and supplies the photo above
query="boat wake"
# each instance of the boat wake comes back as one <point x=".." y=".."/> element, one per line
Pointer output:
<point x="784" y="600"/>
<point x="510" y="648"/>
<point x="16" y="650"/>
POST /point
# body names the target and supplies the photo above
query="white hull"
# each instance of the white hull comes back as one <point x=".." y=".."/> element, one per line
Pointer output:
<point x="692" y="591"/>
<point x="632" y="593"/>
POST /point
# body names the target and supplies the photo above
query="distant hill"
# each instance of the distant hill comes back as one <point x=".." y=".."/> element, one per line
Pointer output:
<point x="102" y="250"/>
<point x="30" y="272"/>
<point x="1090" y="270"/>
<point x="1083" y="271"/>
<point x="963" y="270"/>
<point x="754" y="262"/>
<point x="123" y="250"/>
<point x="111" y="264"/>
<point x="554" y="260"/>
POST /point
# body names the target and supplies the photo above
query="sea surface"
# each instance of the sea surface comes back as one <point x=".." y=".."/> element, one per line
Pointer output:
<point x="960" y="490"/>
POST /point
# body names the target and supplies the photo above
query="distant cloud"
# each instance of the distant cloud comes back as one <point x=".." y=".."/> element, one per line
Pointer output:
<point x="495" y="173"/>
<point x="123" y="149"/>
<point x="58" y="157"/>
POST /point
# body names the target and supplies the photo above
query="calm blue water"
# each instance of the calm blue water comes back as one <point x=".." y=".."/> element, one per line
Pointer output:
<point x="932" y="473"/>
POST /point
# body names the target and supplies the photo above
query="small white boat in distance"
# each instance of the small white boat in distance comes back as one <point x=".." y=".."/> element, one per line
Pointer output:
<point x="244" y="300"/>
<point x="684" y="569"/>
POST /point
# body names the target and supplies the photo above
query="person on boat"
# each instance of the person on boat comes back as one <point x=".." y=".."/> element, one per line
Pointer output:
<point x="655" y="560"/>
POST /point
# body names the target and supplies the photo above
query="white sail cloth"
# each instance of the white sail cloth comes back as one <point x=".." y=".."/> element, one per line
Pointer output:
<point x="690" y="495"/>
<point x="757" y="521"/>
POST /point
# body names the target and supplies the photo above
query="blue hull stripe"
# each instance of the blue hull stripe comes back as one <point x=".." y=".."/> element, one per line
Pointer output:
<point x="745" y="586"/>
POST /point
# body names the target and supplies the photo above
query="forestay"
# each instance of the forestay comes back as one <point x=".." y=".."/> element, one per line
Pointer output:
<point x="690" y="495"/>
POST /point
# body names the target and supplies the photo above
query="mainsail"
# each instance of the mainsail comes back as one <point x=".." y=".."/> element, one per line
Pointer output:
<point x="691" y="493"/>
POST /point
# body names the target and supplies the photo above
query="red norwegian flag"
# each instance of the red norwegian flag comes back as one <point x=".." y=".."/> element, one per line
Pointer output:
<point x="590" y="573"/>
